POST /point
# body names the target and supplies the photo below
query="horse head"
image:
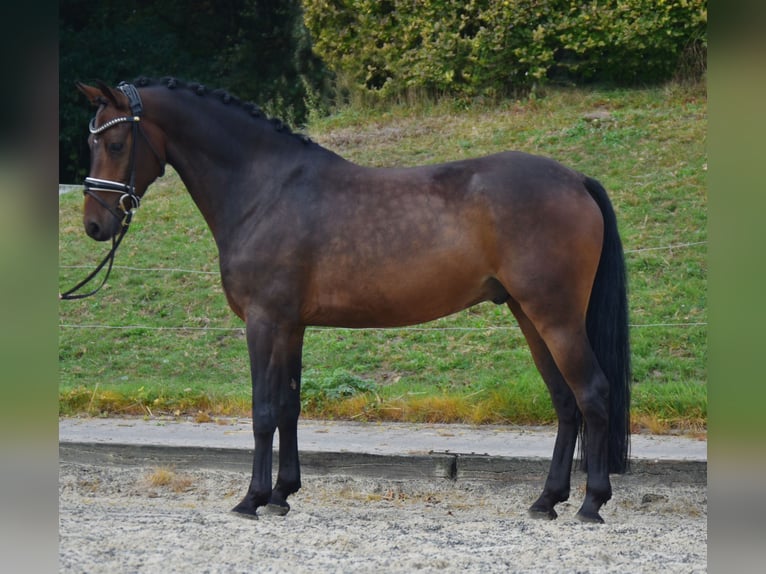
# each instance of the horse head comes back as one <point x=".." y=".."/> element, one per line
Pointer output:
<point x="127" y="153"/>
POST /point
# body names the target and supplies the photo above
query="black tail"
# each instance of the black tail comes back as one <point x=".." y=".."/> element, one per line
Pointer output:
<point x="607" y="327"/>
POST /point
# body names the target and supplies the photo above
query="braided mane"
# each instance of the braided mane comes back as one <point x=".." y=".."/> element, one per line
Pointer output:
<point x="249" y="108"/>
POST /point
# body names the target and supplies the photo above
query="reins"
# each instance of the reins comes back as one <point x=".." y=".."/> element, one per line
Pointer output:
<point x="129" y="201"/>
<point x="72" y="293"/>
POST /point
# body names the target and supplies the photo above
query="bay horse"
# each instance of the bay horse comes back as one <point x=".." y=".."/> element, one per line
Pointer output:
<point x="307" y="238"/>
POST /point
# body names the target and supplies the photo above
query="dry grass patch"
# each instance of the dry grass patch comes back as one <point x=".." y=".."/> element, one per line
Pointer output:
<point x="166" y="477"/>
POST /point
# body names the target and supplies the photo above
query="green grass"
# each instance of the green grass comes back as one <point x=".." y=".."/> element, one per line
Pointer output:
<point x="165" y="341"/>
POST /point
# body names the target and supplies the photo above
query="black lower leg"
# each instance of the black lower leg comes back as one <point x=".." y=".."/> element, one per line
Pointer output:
<point x="289" y="476"/>
<point x="557" y="484"/>
<point x="259" y="491"/>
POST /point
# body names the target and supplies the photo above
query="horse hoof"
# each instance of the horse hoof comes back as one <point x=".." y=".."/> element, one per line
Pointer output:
<point x="277" y="508"/>
<point x="589" y="517"/>
<point x="539" y="513"/>
<point x="244" y="514"/>
<point x="245" y="509"/>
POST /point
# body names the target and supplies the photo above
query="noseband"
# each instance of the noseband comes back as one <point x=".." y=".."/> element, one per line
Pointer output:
<point x="129" y="201"/>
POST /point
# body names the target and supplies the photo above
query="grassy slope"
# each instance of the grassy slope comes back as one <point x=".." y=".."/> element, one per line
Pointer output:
<point x="474" y="366"/>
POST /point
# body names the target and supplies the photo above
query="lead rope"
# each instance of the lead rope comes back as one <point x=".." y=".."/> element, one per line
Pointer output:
<point x="72" y="294"/>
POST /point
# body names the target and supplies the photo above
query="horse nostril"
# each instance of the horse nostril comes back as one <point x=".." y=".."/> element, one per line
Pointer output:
<point x="93" y="229"/>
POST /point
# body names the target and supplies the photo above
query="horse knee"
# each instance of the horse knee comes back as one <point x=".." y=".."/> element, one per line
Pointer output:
<point x="264" y="419"/>
<point x="289" y="413"/>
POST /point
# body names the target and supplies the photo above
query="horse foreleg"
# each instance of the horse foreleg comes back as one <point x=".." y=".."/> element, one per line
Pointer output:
<point x="275" y="360"/>
<point x="289" y="476"/>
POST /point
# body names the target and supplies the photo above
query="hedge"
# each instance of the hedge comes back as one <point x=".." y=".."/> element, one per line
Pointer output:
<point x="496" y="47"/>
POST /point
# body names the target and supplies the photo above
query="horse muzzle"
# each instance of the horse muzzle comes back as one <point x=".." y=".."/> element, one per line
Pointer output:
<point x="102" y="228"/>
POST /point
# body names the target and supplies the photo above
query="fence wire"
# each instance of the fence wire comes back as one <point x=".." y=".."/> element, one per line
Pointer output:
<point x="241" y="329"/>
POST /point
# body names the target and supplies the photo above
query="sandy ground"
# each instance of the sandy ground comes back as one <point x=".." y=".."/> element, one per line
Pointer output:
<point x="136" y="519"/>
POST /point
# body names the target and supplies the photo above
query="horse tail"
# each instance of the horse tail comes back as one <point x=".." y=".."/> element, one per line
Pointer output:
<point x="607" y="328"/>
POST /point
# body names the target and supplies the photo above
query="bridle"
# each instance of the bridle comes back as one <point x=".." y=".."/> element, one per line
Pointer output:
<point x="129" y="200"/>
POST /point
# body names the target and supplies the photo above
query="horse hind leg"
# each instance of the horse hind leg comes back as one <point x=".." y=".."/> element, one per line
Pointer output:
<point x="574" y="357"/>
<point x="557" y="484"/>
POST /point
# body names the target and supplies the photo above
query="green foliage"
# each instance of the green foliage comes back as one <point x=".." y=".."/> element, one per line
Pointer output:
<point x="318" y="389"/>
<point x="489" y="47"/>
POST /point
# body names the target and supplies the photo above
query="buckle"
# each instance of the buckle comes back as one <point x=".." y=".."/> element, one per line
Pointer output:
<point x="134" y="200"/>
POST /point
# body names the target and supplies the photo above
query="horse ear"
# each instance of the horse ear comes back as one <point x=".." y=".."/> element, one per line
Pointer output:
<point x="93" y="94"/>
<point x="108" y="92"/>
<point x="101" y="94"/>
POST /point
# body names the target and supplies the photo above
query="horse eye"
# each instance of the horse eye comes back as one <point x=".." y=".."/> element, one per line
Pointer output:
<point x="115" y="147"/>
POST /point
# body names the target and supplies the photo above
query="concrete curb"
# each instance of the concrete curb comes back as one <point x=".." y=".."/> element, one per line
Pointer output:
<point x="434" y="465"/>
<point x="499" y="453"/>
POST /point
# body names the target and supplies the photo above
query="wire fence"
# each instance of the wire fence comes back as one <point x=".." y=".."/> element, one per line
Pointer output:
<point x="672" y="247"/>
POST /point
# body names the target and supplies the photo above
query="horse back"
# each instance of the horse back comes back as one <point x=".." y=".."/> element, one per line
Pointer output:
<point x="401" y="246"/>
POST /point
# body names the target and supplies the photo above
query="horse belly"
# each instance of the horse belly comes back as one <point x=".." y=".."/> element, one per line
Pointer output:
<point x="404" y="248"/>
<point x="411" y="294"/>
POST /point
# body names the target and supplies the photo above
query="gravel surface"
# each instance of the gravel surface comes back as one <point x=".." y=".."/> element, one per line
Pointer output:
<point x="134" y="519"/>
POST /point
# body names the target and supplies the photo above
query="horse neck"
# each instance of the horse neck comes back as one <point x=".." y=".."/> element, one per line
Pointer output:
<point x="223" y="156"/>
